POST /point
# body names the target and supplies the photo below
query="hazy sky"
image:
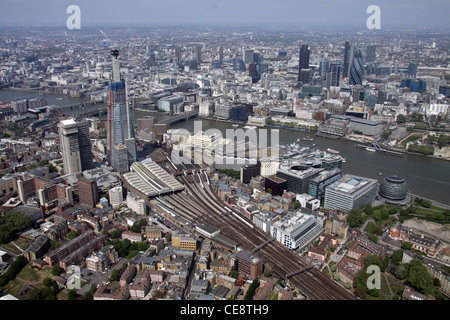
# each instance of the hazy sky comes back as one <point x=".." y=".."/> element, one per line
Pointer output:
<point x="401" y="13"/>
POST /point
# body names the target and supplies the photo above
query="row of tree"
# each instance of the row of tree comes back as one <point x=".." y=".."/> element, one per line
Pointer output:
<point x="11" y="223"/>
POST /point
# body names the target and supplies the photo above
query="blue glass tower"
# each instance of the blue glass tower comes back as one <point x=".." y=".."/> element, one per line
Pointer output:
<point x="120" y="140"/>
<point x="356" y="69"/>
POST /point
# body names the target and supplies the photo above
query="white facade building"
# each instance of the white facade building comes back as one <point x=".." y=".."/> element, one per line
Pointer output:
<point x="115" y="196"/>
<point x="296" y="229"/>
<point x="136" y="204"/>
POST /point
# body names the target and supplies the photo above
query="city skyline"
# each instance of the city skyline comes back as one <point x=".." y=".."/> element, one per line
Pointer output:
<point x="344" y="13"/>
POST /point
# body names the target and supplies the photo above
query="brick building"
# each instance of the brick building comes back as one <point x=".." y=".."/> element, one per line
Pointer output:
<point x="248" y="264"/>
<point x="88" y="192"/>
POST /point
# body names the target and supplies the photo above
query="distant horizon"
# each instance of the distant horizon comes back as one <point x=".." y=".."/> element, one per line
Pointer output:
<point x="346" y="14"/>
<point x="288" y="27"/>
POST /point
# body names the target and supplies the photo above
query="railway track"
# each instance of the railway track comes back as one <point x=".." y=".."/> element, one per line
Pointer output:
<point x="201" y="205"/>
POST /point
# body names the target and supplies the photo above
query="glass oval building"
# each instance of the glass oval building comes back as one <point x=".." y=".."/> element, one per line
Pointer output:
<point x="393" y="188"/>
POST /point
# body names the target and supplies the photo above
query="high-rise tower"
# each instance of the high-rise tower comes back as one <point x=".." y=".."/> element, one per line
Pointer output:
<point x="348" y="55"/>
<point x="356" y="69"/>
<point x="121" y="144"/>
<point x="75" y="146"/>
<point x="198" y="53"/>
<point x="303" y="60"/>
<point x="371" y="53"/>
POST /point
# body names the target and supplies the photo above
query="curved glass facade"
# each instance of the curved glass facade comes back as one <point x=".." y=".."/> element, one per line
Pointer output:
<point x="356" y="70"/>
<point x="393" y="188"/>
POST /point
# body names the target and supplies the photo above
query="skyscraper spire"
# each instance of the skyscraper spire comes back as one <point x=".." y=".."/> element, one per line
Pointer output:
<point x="121" y="144"/>
<point x="115" y="65"/>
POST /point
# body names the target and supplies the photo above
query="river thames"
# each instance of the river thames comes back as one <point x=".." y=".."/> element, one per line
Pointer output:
<point x="428" y="177"/>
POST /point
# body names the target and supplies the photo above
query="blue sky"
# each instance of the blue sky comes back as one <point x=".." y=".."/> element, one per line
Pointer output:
<point x="303" y="13"/>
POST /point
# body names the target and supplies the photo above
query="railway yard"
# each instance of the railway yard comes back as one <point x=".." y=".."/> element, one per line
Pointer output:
<point x="199" y="205"/>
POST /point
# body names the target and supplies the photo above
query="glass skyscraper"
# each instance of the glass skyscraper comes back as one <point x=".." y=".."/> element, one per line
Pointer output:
<point x="356" y="69"/>
<point x="348" y="52"/>
<point x="121" y="144"/>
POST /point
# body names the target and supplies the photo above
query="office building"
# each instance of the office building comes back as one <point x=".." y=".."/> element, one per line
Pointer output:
<point x="393" y="188"/>
<point x="304" y="75"/>
<point x="145" y="123"/>
<point x="248" y="56"/>
<point x="415" y="85"/>
<point x="356" y="69"/>
<point x="171" y="103"/>
<point x="276" y="184"/>
<point x="348" y="55"/>
<point x="297" y="177"/>
<point x="250" y="171"/>
<point x="239" y="65"/>
<point x="318" y="184"/>
<point x="198" y="53"/>
<point x="304" y="57"/>
<point x="350" y="192"/>
<point x="371" y="53"/>
<point x="412" y="69"/>
<point x="303" y="64"/>
<point x="324" y="66"/>
<point x="248" y="264"/>
<point x="296" y="230"/>
<point x="220" y="52"/>
<point x="88" y="192"/>
<point x="115" y="196"/>
<point x="332" y="77"/>
<point x="75" y="146"/>
<point x="136" y="204"/>
<point x="120" y="141"/>
<point x="445" y="90"/>
<point x="177" y="55"/>
<point x="336" y="227"/>
<point x="184" y="241"/>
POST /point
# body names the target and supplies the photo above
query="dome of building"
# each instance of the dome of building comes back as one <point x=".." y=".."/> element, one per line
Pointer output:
<point x="393" y="188"/>
<point x="395" y="233"/>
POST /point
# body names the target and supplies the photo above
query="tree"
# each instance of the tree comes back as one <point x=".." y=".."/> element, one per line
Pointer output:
<point x="373" y="238"/>
<point x="135" y="228"/>
<point x="252" y="289"/>
<point x="297" y="205"/>
<point x="355" y="218"/>
<point x="12" y="222"/>
<point x="72" y="234"/>
<point x="419" y="278"/>
<point x="72" y="294"/>
<point x="374" y="293"/>
<point x="267" y="272"/>
<point x="373" y="260"/>
<point x="397" y="257"/>
<point x="368" y="209"/>
<point x="115" y="275"/>
<point x="57" y="270"/>
<point x="360" y="292"/>
<point x="401" y="272"/>
<point x="234" y="273"/>
<point x="377" y="231"/>
<point x="406" y="245"/>
<point x="360" y="280"/>
<point x="54" y="244"/>
<point x="442" y="140"/>
<point x="401" y="119"/>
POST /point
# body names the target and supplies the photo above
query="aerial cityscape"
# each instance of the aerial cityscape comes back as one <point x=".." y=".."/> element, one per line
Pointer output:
<point x="206" y="161"/>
